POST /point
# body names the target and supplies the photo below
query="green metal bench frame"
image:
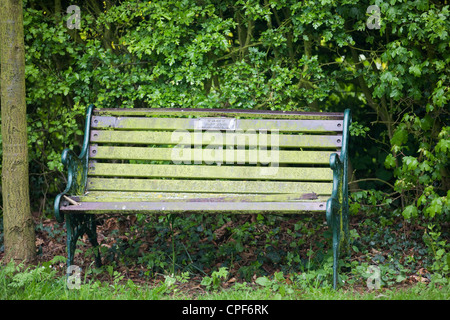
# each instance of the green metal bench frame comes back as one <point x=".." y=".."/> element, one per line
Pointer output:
<point x="80" y="216"/>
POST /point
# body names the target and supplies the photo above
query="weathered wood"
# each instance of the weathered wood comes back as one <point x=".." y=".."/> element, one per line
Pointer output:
<point x="280" y="125"/>
<point x="208" y="155"/>
<point x="198" y="207"/>
<point x="216" y="186"/>
<point x="123" y="196"/>
<point x="209" y="139"/>
<point x="176" y="112"/>
<point x="210" y="172"/>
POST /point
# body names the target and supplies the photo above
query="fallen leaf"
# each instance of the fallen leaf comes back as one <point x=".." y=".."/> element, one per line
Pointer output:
<point x="232" y="280"/>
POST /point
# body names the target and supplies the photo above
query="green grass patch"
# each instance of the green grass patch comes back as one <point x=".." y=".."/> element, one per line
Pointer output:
<point x="44" y="282"/>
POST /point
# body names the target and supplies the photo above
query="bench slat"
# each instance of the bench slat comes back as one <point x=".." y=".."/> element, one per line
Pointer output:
<point x="121" y="196"/>
<point x="184" y="207"/>
<point x="281" y="125"/>
<point x="194" y="155"/>
<point x="169" y="185"/>
<point x="209" y="138"/>
<point x="210" y="172"/>
<point x="180" y="112"/>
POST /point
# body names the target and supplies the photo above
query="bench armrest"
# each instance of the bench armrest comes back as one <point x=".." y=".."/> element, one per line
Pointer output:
<point x="335" y="201"/>
<point x="339" y="165"/>
<point x="76" y="166"/>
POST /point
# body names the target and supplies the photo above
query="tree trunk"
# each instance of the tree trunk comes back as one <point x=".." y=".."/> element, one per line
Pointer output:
<point x="17" y="220"/>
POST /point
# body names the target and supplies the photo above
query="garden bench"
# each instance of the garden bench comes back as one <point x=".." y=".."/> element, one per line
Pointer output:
<point x="206" y="161"/>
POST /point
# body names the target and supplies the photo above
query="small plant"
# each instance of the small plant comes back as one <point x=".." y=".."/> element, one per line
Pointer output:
<point x="170" y="281"/>
<point x="277" y="285"/>
<point x="317" y="278"/>
<point x="19" y="276"/>
<point x="437" y="247"/>
<point x="116" y="276"/>
<point x="216" y="279"/>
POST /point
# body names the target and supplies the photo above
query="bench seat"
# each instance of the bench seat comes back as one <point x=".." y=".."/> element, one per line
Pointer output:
<point x="135" y="202"/>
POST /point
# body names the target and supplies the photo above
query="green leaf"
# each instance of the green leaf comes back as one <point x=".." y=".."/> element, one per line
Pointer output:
<point x="400" y="136"/>
<point x="426" y="122"/>
<point x="206" y="281"/>
<point x="424" y="166"/>
<point x="410" y="211"/>
<point x="440" y="253"/>
<point x="389" y="162"/>
<point x="400" y="278"/>
<point x="443" y="146"/>
<point x="415" y="70"/>
<point x="263" y="281"/>
<point x="421" y="199"/>
<point x="278" y="276"/>
<point x="411" y="163"/>
<point x="434" y="208"/>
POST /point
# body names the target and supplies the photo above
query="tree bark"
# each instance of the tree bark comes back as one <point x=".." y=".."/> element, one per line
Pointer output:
<point x="17" y="220"/>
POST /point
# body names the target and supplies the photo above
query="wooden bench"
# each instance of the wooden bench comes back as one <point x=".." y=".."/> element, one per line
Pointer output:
<point x="206" y="161"/>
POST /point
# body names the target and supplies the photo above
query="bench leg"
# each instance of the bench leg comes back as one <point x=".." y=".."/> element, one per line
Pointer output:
<point x="336" y="236"/>
<point x="77" y="225"/>
<point x="334" y="221"/>
<point x="91" y="231"/>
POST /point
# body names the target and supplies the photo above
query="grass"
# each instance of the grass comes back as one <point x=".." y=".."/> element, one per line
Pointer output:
<point x="43" y="282"/>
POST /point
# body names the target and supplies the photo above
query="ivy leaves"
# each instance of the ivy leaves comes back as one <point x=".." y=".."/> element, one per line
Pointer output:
<point x="420" y="173"/>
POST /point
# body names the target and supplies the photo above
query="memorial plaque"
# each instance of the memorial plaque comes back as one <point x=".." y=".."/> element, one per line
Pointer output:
<point x="215" y="124"/>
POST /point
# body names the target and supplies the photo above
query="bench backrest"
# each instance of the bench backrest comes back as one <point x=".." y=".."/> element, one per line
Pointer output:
<point x="213" y="151"/>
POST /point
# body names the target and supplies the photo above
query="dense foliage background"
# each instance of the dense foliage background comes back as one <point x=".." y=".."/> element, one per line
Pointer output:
<point x="316" y="55"/>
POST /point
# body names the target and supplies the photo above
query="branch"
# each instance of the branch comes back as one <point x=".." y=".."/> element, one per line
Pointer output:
<point x="362" y="83"/>
<point x="372" y="179"/>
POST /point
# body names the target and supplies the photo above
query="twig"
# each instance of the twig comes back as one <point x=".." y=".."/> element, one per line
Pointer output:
<point x="373" y="179"/>
<point x="72" y="201"/>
